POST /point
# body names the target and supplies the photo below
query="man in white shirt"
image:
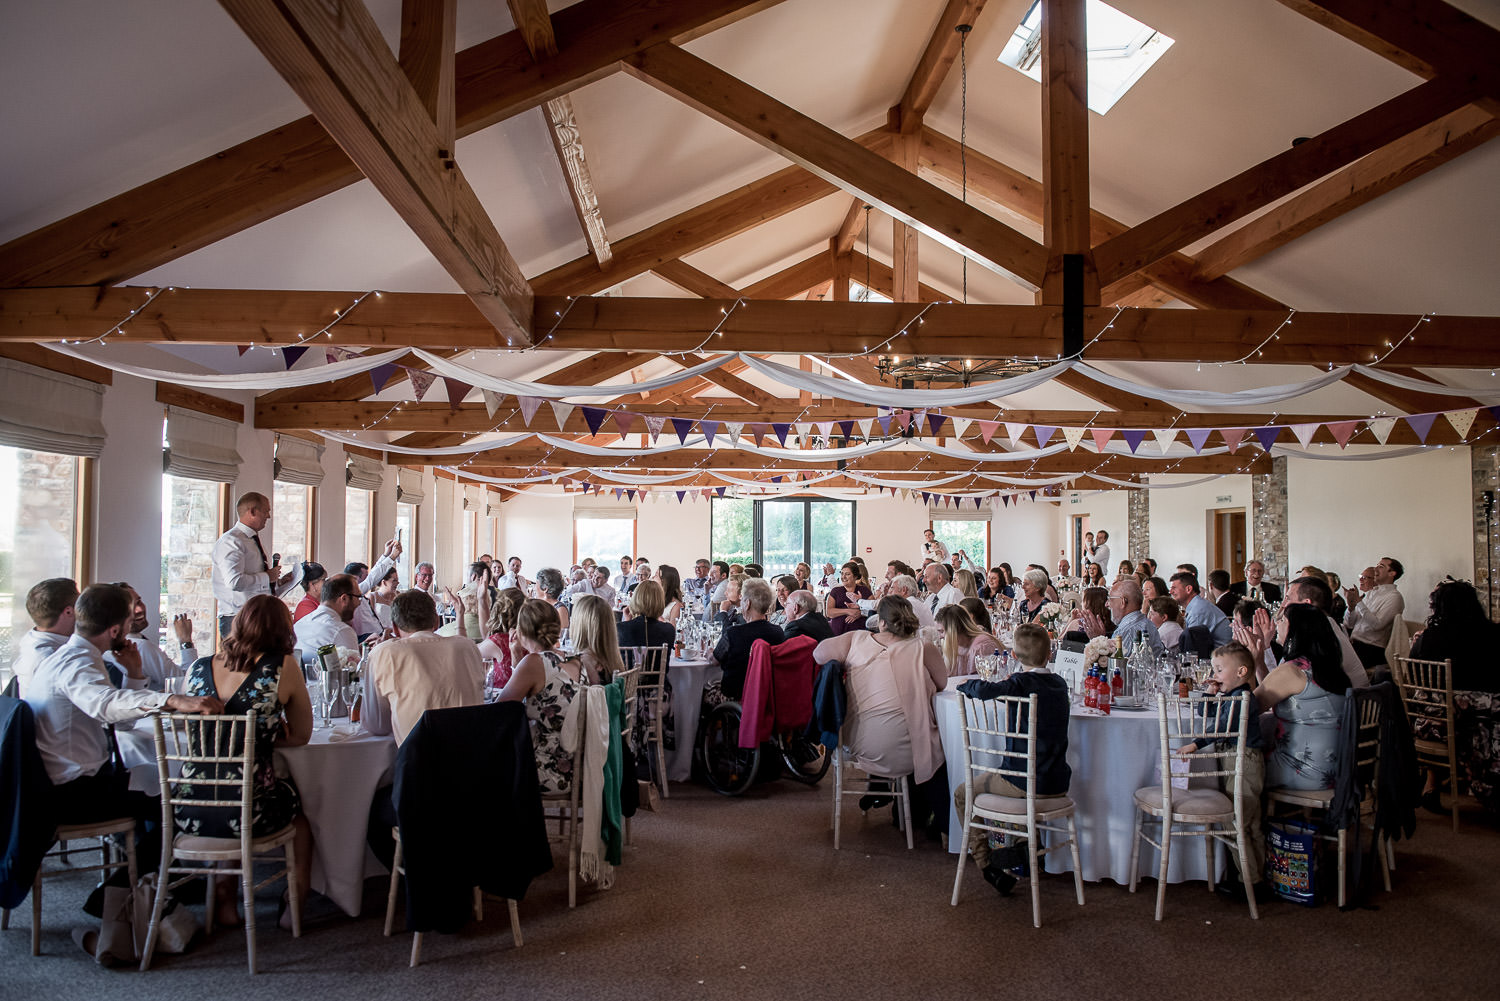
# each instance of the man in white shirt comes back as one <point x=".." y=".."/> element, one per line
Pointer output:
<point x="368" y="577"/>
<point x="1099" y="553"/>
<point x="717" y="588"/>
<point x="595" y="582"/>
<point x="933" y="547"/>
<point x="900" y="586"/>
<point x="154" y="663"/>
<point x="1371" y="614"/>
<point x="50" y="605"/>
<point x="329" y="623"/>
<point x="74" y="702"/>
<point x="241" y="568"/>
<point x="940" y="593"/>
<point x="513" y="578"/>
<point x="622" y="580"/>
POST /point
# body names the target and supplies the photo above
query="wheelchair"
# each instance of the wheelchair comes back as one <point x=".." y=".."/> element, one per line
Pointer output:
<point x="731" y="769"/>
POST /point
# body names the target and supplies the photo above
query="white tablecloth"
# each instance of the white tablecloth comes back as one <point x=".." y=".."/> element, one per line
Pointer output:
<point x="688" y="677"/>
<point x="1111" y="757"/>
<point x="337" y="782"/>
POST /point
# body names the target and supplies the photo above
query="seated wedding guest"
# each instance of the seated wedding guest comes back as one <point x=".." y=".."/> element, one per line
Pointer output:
<point x="368" y="576"/>
<point x="695" y="586"/>
<point x="1064" y="568"/>
<point x="733" y="650"/>
<point x="593" y="633"/>
<point x="1307" y="692"/>
<point x="830" y="576"/>
<point x="255" y="670"/>
<point x="596" y="582"/>
<point x="549" y="588"/>
<point x="841" y="607"/>
<point x="671" y="587"/>
<point x="49" y="603"/>
<point x="978" y="612"/>
<point x="1198" y="610"/>
<point x="313" y="576"/>
<point x="891" y="676"/>
<point x="1371" y="615"/>
<point x="803" y="573"/>
<point x="623" y="580"/>
<point x="901" y="586"/>
<point x="995" y="587"/>
<point x="417" y="671"/>
<point x="1093" y="575"/>
<point x="963" y="640"/>
<point x="803" y="617"/>
<point x="496" y="645"/>
<point x="940" y="589"/>
<point x="1125" y="569"/>
<point x="154" y="664"/>
<point x="964" y="581"/>
<point x="1166" y="616"/>
<point x="960" y="561"/>
<point x="75" y="703"/>
<point x="1255" y="584"/>
<point x="782" y="586"/>
<point x="645" y="627"/>
<point x="475" y="597"/>
<point x="548" y="680"/>
<point x="1125" y="602"/>
<point x="755" y="570"/>
<point x="728" y="612"/>
<point x="1260" y="634"/>
<point x="1191" y="568"/>
<point x="1149" y="565"/>
<point x="1219" y="593"/>
<point x="1050" y="731"/>
<point x="1093" y="601"/>
<point x="1034" y="585"/>
<point x="1459" y="630"/>
<point x="329" y="623"/>
<point x="1153" y="588"/>
<point x="1340" y="607"/>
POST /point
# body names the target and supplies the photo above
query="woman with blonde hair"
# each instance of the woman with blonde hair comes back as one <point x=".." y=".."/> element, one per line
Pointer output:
<point x="645" y="625"/>
<point x="547" y="681"/>
<point x="496" y="645"/>
<point x="964" y="581"/>
<point x="592" y="631"/>
<point x="963" y="639"/>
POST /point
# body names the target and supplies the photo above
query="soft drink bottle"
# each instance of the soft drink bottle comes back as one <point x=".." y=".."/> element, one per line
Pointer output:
<point x="1091" y="690"/>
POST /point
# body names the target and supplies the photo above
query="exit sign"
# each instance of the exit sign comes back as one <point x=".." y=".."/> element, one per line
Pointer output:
<point x="1224" y="499"/>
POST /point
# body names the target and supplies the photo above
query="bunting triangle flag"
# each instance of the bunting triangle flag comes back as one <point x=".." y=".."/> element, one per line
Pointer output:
<point x="421" y="382"/>
<point x="926" y="497"/>
<point x="1043" y="434"/>
<point x="379" y="375"/>
<point x="1033" y="495"/>
<point x="758" y="432"/>
<point x="1014" y="432"/>
<point x="682" y="426"/>
<point x="865" y="426"/>
<point x="735" y="430"/>
<point x="1232" y="437"/>
<point x="1342" y="431"/>
<point x="781" y="433"/>
<point x="1462" y="420"/>
<point x="1074" y="436"/>
<point x="630" y="495"/>
<point x="1266" y="436"/>
<point x="960" y="425"/>
<point x="709" y="429"/>
<point x="1101" y="436"/>
<point x="987" y="430"/>
<point x="618" y="492"/>
<point x="1382" y="427"/>
<point x="291" y="355"/>
<point x="1421" y="424"/>
<point x="776" y="479"/>
<point x="825" y="428"/>
<point x="492" y="401"/>
<point x="1164" y="438"/>
<point x="935" y="422"/>
<point x="903" y="418"/>
<point x="561" y="412"/>
<point x="624" y="421"/>
<point x="242" y="348"/>
<point x="846" y="428"/>
<point x="1304" y="433"/>
<point x="594" y="418"/>
<point x="1133" y="437"/>
<point x="529" y="406"/>
<point x="456" y="392"/>
<point x="1199" y="437"/>
<point x="654" y="424"/>
<point x="719" y="491"/>
<point x="885" y="424"/>
<point x="336" y="353"/>
<point x="1005" y="500"/>
<point x="680" y="495"/>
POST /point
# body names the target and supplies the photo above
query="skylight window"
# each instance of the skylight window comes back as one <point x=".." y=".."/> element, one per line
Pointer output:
<point x="1120" y="50"/>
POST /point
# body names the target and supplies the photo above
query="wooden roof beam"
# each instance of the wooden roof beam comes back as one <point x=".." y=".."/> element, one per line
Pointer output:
<point x="839" y="161"/>
<point x="1065" y="152"/>
<point x="690" y="279"/>
<point x="933" y="66"/>
<point x="339" y="64"/>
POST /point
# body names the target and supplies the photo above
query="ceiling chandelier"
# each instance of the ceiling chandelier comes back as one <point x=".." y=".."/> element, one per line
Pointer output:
<point x="951" y="371"/>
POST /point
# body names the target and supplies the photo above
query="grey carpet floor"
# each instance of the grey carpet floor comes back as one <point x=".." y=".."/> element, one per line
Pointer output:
<point x="746" y="899"/>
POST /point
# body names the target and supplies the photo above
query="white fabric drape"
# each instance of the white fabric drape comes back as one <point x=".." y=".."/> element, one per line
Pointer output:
<point x="298" y="461"/>
<point x="50" y="412"/>
<point x="364" y="473"/>
<point x="885" y="396"/>
<point x="1209" y="398"/>
<point x="409" y="487"/>
<point x="201" y="446"/>
<point x="516" y="387"/>
<point x="310" y="376"/>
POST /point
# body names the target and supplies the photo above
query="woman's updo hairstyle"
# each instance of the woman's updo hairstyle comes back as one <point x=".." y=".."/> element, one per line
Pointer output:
<point x="539" y="623"/>
<point x="898" y="616"/>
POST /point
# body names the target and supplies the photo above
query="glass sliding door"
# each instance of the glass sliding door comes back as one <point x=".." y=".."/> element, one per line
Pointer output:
<point x="778" y="534"/>
<point x="782" y="536"/>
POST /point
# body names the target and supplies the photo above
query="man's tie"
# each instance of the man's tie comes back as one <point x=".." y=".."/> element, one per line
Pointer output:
<point x="933" y="603"/>
<point x="265" y="563"/>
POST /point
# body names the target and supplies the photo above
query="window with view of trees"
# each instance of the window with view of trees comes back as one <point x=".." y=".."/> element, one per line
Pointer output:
<point x="973" y="537"/>
<point x="778" y="534"/>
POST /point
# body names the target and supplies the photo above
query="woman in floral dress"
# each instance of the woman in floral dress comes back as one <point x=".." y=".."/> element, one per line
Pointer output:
<point x="548" y="681"/>
<point x="255" y="670"/>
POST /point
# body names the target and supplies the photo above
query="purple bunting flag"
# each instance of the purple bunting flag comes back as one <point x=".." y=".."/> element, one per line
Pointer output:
<point x="594" y="418"/>
<point x="1043" y="434"/>
<point x="935" y="422"/>
<point x="456" y="392"/>
<point x="682" y="426"/>
<point x="1133" y="438"/>
<point x="290" y="355"/>
<point x="379" y="375"/>
<point x="709" y="429"/>
<point x="1266" y="436"/>
<point x="1421" y="424"/>
<point x="1198" y="436"/>
<point x="781" y="432"/>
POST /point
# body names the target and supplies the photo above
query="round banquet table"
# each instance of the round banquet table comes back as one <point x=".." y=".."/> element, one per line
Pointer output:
<point x="688" y="676"/>
<point x="1111" y="757"/>
<point x="337" y="777"/>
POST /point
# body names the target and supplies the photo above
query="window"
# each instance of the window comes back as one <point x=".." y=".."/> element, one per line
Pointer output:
<point x="291" y="527"/>
<point x="973" y="537"/>
<point x="732" y="537"/>
<point x="1120" y="50"/>
<point x="406" y="531"/>
<point x="471" y="536"/>
<point x="605" y="539"/>
<point x="38" y="532"/>
<point x="357" y="504"/>
<point x="192" y="518"/>
<point x="778" y="534"/>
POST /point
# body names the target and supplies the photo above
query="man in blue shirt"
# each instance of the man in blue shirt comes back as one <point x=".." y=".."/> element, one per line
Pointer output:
<point x="1198" y="610"/>
<point x="1125" y="606"/>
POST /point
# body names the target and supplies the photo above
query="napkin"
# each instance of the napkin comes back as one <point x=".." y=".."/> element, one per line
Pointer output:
<point x="345" y="731"/>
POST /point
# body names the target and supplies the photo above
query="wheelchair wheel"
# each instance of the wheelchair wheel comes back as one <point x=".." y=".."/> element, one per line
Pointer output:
<point x="806" y="760"/>
<point x="729" y="768"/>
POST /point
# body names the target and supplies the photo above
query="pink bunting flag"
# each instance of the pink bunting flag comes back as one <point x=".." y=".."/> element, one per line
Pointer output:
<point x="1232" y="438"/>
<point x="1101" y="436"/>
<point x="456" y="392"/>
<point x="421" y="382"/>
<point x="624" y="421"/>
<point x="987" y="430"/>
<point x="1342" y="431"/>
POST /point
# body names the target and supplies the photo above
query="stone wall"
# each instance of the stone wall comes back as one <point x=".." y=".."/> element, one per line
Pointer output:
<point x="1138" y="523"/>
<point x="1268" y="508"/>
<point x="1484" y="463"/>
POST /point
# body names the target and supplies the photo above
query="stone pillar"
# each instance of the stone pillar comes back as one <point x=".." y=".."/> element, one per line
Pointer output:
<point x="1268" y="513"/>
<point x="1484" y="465"/>
<point x="1138" y="523"/>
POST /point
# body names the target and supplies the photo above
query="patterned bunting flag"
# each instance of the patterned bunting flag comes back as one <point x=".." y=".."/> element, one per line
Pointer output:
<point x="935" y="423"/>
<point x="624" y="422"/>
<point x="336" y="353"/>
<point x="1199" y="437"/>
<point x="421" y="382"/>
<point x="1342" y="431"/>
<point x="1043" y="434"/>
<point x="709" y="429"/>
<point x="1266" y="436"/>
<point x="1382" y="427"/>
<point x="379" y="375"/>
<point x="735" y="429"/>
<point x="1133" y="437"/>
<point x="987" y="430"/>
<point x="1074" y="437"/>
<point x="1462" y="420"/>
<point x="1164" y="438"/>
<point x="529" y="406"/>
<point x="1101" y="436"/>
<point x="1304" y="432"/>
<point x="682" y="426"/>
<point x="654" y="424"/>
<point x="1421" y="424"/>
<point x="291" y="356"/>
<point x="456" y="392"/>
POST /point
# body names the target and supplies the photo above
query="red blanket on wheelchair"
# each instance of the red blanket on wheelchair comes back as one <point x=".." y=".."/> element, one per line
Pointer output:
<point x="778" y="689"/>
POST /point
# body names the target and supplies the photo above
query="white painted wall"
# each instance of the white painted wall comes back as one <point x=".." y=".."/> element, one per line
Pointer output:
<point x="1027" y="532"/>
<point x="888" y="528"/>
<point x="1179" y="519"/>
<point x="1344" y="516"/>
<point x="1106" y="509"/>
<point x="127" y="543"/>
<point x="672" y="533"/>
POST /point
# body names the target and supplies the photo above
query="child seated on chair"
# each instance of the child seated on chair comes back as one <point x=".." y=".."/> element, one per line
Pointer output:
<point x="1050" y="731"/>
<point x="1234" y="674"/>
